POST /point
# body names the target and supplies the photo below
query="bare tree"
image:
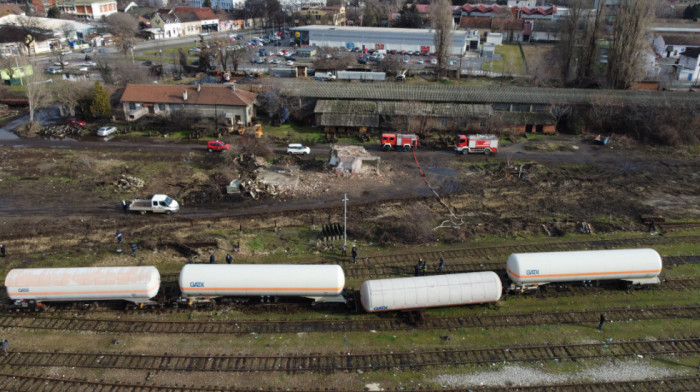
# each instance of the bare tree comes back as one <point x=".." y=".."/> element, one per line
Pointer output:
<point x="628" y="44"/>
<point x="219" y="49"/>
<point x="441" y="18"/>
<point x="69" y="94"/>
<point x="124" y="28"/>
<point x="569" y="33"/>
<point x="235" y="57"/>
<point x="589" y="50"/>
<point x="124" y="73"/>
<point x="38" y="93"/>
<point x="57" y="53"/>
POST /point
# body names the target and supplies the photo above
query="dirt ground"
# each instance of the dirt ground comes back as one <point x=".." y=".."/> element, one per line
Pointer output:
<point x="64" y="192"/>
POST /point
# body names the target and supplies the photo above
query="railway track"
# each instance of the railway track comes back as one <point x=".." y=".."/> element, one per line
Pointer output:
<point x="364" y="323"/>
<point x="23" y="382"/>
<point x="406" y="268"/>
<point x="294" y="363"/>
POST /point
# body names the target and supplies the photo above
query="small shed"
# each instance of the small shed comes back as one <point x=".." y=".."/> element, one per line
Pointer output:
<point x="488" y="50"/>
<point x="307" y="51"/>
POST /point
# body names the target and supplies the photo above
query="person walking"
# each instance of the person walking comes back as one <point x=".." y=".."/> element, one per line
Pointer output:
<point x="119" y="237"/>
<point x="133" y="249"/>
<point x="5" y="347"/>
<point x="417" y="268"/>
<point x="442" y="264"/>
<point x="229" y="258"/>
<point x="354" y="254"/>
<point x="2" y="250"/>
<point x="345" y="250"/>
<point x="602" y="321"/>
<point x="212" y="259"/>
<point x="124" y="205"/>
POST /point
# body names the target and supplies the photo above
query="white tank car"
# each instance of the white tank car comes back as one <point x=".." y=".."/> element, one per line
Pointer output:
<point x="200" y="282"/>
<point x="529" y="270"/>
<point x="430" y="291"/>
<point x="133" y="284"/>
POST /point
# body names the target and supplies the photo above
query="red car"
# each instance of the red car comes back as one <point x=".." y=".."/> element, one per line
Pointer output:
<point x="75" y="122"/>
<point x="217" y="145"/>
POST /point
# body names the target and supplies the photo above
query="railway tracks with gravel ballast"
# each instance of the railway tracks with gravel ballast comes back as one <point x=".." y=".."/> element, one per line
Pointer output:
<point x="295" y="363"/>
<point x="24" y="382"/>
<point x="71" y="323"/>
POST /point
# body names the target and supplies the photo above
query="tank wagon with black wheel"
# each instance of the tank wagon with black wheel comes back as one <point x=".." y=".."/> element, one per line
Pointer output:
<point x="204" y="283"/>
<point x="32" y="287"/>
<point x="633" y="267"/>
<point x="417" y="293"/>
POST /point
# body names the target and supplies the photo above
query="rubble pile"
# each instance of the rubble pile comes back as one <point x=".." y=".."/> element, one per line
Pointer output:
<point x="259" y="189"/>
<point x="129" y="183"/>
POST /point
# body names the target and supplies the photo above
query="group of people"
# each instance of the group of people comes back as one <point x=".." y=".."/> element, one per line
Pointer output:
<point x="212" y="259"/>
<point x="353" y="252"/>
<point x="133" y="245"/>
<point x="421" y="267"/>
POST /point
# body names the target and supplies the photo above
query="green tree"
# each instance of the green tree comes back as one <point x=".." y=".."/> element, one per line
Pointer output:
<point x="53" y="12"/>
<point x="100" y="107"/>
<point x="370" y="18"/>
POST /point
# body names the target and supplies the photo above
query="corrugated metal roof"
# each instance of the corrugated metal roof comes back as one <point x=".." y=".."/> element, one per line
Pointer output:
<point x="348" y="120"/>
<point x="478" y="94"/>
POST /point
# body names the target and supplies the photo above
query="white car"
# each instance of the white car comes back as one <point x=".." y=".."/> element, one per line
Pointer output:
<point x="106" y="131"/>
<point x="298" y="149"/>
<point x="420" y="61"/>
<point x="290" y="62"/>
<point x="433" y="61"/>
<point x="275" y="61"/>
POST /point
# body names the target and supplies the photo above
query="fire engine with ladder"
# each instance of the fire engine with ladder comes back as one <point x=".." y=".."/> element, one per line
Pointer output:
<point x="467" y="144"/>
<point x="398" y="141"/>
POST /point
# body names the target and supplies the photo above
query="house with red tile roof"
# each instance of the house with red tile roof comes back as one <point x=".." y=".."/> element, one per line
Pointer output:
<point x="208" y="20"/>
<point x="207" y="100"/>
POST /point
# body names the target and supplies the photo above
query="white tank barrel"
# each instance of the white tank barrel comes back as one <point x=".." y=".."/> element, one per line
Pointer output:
<point x="430" y="291"/>
<point x="219" y="280"/>
<point x="635" y="265"/>
<point x="134" y="284"/>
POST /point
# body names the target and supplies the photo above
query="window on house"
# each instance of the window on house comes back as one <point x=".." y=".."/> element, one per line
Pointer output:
<point x="161" y="106"/>
<point x="318" y="17"/>
<point x="521" y="107"/>
<point x="132" y="105"/>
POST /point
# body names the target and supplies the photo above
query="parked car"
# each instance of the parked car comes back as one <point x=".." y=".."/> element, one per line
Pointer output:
<point x="147" y="63"/>
<point x="420" y="61"/>
<point x="290" y="63"/>
<point x="217" y="145"/>
<point x="67" y="52"/>
<point x="103" y="50"/>
<point x="433" y="61"/>
<point x="74" y="122"/>
<point x="195" y="49"/>
<point x="290" y="58"/>
<point x="86" y="50"/>
<point x="275" y="61"/>
<point x="59" y="63"/>
<point x="106" y="130"/>
<point x="52" y="70"/>
<point x="298" y="149"/>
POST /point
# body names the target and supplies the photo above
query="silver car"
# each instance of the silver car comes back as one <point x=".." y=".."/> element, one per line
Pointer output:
<point x="106" y="131"/>
<point x="298" y="149"/>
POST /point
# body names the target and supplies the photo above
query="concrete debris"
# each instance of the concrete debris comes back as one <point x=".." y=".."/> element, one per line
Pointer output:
<point x="353" y="160"/>
<point x="128" y="183"/>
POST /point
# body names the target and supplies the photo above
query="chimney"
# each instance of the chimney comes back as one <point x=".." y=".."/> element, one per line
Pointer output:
<point x="199" y="87"/>
<point x="184" y="95"/>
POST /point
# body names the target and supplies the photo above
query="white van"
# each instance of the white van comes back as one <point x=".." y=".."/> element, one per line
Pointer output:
<point x="380" y="51"/>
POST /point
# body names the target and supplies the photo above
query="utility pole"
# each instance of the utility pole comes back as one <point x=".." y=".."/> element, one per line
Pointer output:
<point x="345" y="219"/>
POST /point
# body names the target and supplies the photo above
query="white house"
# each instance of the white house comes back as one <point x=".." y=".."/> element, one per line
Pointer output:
<point x="88" y="9"/>
<point x="689" y="66"/>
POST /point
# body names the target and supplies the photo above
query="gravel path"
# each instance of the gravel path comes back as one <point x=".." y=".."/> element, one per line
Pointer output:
<point x="515" y="375"/>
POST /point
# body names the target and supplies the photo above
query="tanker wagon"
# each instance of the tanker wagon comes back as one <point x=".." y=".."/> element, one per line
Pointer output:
<point x="417" y="293"/>
<point x="30" y="287"/>
<point x="201" y="284"/>
<point x="528" y="271"/>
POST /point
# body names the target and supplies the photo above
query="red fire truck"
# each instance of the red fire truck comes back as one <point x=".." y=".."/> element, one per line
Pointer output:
<point x="399" y="141"/>
<point x="467" y="144"/>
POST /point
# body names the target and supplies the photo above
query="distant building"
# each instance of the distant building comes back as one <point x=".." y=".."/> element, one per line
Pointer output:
<point x="377" y="38"/>
<point x="333" y="16"/>
<point x="88" y="9"/>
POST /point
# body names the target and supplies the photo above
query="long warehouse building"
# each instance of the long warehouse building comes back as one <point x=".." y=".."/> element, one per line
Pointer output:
<point x="378" y="38"/>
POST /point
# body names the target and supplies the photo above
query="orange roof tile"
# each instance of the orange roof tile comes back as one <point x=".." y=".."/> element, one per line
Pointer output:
<point x="202" y="13"/>
<point x="210" y="94"/>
